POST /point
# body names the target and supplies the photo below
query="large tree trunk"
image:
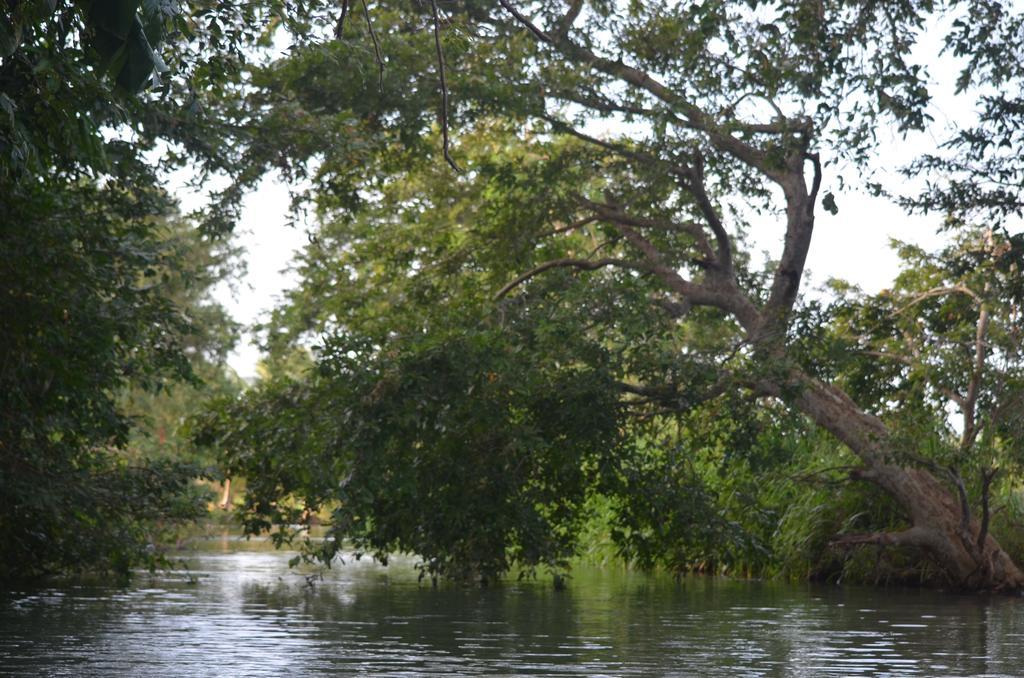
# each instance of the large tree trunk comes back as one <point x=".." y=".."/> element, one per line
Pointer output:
<point x="940" y="525"/>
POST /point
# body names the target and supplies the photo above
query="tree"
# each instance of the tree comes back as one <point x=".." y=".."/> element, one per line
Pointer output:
<point x="86" y="289"/>
<point x="730" y="104"/>
<point x="946" y="335"/>
<point x="194" y="265"/>
<point x="83" y="315"/>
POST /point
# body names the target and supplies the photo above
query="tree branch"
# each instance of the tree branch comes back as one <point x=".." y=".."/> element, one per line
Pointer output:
<point x="816" y="185"/>
<point x="339" y="27"/>
<point x="914" y="536"/>
<point x="444" y="85"/>
<point x="530" y="26"/>
<point x="974" y="386"/>
<point x="799" y="229"/>
<point x="695" y="117"/>
<point x="565" y="24"/>
<point x="376" y="47"/>
<point x="601" y="104"/>
<point x="614" y="148"/>
<point x="584" y="264"/>
<point x="725" y="296"/>
<point x="668" y="393"/>
<point x="695" y="184"/>
<point x="938" y="292"/>
<point x="614" y="213"/>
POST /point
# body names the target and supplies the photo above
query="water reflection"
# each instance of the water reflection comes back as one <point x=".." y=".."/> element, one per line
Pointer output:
<point x="249" y="615"/>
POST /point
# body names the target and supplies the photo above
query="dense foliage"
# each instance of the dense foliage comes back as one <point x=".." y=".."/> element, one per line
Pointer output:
<point x="564" y="320"/>
<point x="91" y="291"/>
<point x="84" y="315"/>
<point x="610" y="155"/>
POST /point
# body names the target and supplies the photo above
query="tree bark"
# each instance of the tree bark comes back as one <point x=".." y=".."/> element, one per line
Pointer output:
<point x="939" y="523"/>
<point x="970" y="559"/>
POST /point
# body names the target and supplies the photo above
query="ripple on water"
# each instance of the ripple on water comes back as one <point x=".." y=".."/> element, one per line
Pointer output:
<point x="249" y="615"/>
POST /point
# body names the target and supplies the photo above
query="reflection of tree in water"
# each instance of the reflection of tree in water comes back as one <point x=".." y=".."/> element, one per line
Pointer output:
<point x="365" y="616"/>
<point x="920" y="631"/>
<point x="250" y="615"/>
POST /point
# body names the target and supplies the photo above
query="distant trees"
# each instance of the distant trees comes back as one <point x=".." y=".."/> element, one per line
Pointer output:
<point x="95" y="292"/>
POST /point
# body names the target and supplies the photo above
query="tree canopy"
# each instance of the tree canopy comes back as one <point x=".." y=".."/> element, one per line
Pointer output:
<point x="612" y="157"/>
<point x="566" y="312"/>
<point x="96" y="294"/>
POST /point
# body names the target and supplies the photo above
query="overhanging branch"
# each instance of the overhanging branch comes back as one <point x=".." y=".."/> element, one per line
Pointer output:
<point x="614" y="214"/>
<point x="444" y="85"/>
<point x="695" y="117"/>
<point x="583" y="264"/>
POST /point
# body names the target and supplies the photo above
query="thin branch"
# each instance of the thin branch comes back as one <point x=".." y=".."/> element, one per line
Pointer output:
<point x="614" y="213"/>
<point x="733" y="353"/>
<point x="614" y="148"/>
<point x="584" y="264"/>
<point x="444" y="85"/>
<point x="695" y="184"/>
<point x="339" y="27"/>
<point x="816" y="185"/>
<point x="670" y="392"/>
<point x="376" y="47"/>
<point x="781" y="124"/>
<point x="603" y="104"/>
<point x="604" y="244"/>
<point x="580" y="223"/>
<point x="540" y="35"/>
<point x="938" y="292"/>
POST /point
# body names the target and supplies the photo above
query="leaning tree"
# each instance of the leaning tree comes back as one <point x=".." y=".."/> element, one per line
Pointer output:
<point x="685" y="119"/>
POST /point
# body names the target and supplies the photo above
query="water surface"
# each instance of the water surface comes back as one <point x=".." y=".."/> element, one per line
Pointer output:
<point x="249" y="615"/>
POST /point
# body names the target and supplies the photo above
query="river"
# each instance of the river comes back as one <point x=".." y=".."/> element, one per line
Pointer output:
<point x="247" y="614"/>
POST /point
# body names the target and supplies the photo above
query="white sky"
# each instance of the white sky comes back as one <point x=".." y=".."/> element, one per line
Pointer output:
<point x="269" y="243"/>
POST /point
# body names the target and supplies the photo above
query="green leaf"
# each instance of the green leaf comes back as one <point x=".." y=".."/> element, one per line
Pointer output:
<point x="140" y="60"/>
<point x="829" y="203"/>
<point x="10" y="36"/>
<point x="114" y="16"/>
